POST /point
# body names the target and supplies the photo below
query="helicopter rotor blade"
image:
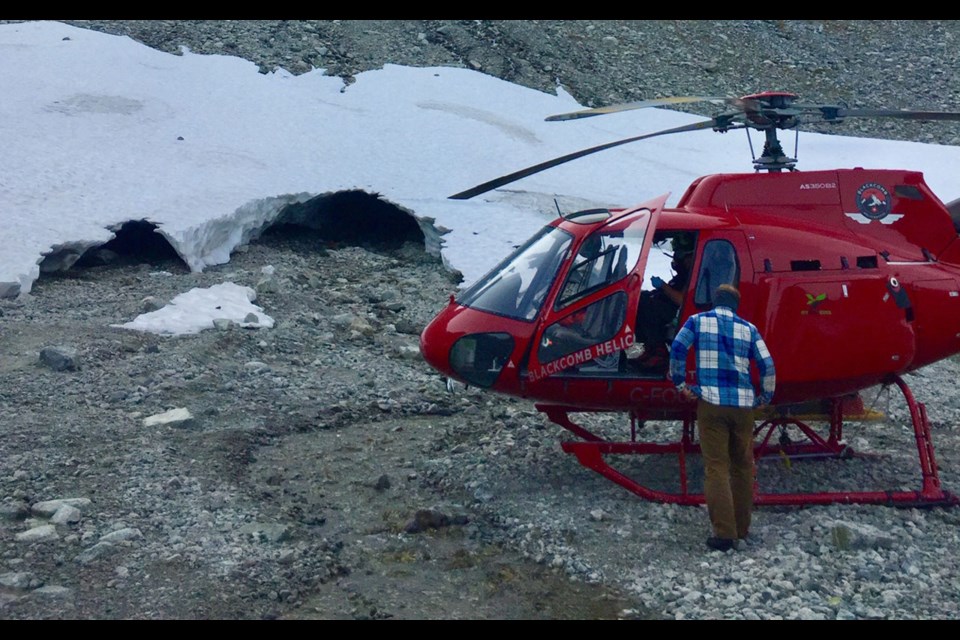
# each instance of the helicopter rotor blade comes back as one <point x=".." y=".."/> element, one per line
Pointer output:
<point x="642" y="104"/>
<point x="767" y="111"/>
<point x="831" y="113"/>
<point x="720" y="122"/>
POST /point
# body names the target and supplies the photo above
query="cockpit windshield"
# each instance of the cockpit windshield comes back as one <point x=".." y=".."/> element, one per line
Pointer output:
<point x="517" y="287"/>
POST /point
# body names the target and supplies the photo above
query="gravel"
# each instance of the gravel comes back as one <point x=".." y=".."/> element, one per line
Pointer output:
<point x="319" y="469"/>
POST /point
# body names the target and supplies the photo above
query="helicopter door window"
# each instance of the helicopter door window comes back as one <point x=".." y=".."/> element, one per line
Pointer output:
<point x="517" y="287"/>
<point x="576" y="333"/>
<point x="603" y="258"/>
<point x="718" y="266"/>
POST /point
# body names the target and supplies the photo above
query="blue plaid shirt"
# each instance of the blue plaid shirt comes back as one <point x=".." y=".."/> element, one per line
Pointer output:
<point x="725" y="344"/>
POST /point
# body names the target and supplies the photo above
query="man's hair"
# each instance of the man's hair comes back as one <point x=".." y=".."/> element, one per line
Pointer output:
<point x="726" y="295"/>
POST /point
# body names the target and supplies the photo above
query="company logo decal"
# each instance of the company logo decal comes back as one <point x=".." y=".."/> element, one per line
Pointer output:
<point x="874" y="203"/>
<point x="595" y="352"/>
<point x="813" y="302"/>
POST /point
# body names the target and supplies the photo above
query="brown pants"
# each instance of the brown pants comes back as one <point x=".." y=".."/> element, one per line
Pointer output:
<point x="726" y="443"/>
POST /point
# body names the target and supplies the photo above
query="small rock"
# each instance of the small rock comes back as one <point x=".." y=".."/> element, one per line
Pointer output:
<point x="256" y="366"/>
<point x="66" y="514"/>
<point x="42" y="533"/>
<point x="266" y="285"/>
<point x="405" y="326"/>
<point x="52" y="591"/>
<point x="120" y="535"/>
<point x="98" y="550"/>
<point x="267" y="532"/>
<point x="16" y="579"/>
<point x="59" y="358"/>
<point x="853" y="535"/>
<point x="13" y="511"/>
<point x="174" y="417"/>
<point x="149" y="304"/>
<point x="48" y="508"/>
<point x="9" y="289"/>
<point x="425" y="519"/>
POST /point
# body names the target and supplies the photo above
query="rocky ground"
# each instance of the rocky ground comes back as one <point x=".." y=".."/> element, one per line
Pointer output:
<point x="328" y="473"/>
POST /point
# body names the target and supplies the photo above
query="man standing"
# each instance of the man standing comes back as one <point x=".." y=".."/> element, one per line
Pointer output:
<point x="725" y="344"/>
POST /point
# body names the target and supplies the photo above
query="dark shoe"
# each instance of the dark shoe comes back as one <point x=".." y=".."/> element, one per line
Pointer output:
<point x="720" y="544"/>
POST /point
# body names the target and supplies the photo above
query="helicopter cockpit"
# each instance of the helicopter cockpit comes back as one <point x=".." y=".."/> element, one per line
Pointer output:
<point x="670" y="289"/>
<point x="567" y="284"/>
<point x="581" y="303"/>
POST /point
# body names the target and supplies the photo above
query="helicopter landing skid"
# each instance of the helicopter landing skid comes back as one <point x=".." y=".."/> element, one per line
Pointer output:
<point x="592" y="448"/>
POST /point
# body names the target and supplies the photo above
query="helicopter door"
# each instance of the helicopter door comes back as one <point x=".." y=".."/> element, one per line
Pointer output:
<point x="587" y="328"/>
<point x="724" y="258"/>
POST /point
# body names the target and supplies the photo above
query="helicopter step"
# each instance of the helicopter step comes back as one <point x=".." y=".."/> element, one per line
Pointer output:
<point x="591" y="450"/>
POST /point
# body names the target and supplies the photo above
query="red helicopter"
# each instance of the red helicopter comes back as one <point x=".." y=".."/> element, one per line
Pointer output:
<point x="851" y="275"/>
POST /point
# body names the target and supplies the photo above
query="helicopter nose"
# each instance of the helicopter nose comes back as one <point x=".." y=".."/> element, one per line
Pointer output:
<point x="463" y="344"/>
<point x="435" y="343"/>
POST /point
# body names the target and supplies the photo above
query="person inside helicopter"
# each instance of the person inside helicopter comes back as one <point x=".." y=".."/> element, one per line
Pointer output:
<point x="659" y="306"/>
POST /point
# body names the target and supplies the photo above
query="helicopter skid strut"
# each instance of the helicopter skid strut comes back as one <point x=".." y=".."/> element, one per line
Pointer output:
<point x="591" y="449"/>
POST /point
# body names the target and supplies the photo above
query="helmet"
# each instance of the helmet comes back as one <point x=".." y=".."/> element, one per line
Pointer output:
<point x="682" y="245"/>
